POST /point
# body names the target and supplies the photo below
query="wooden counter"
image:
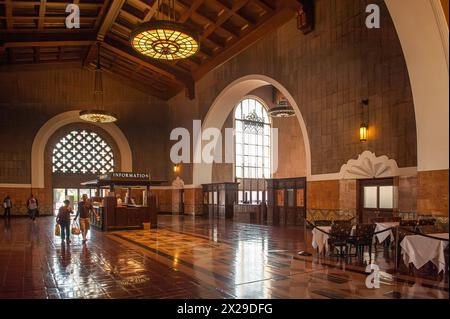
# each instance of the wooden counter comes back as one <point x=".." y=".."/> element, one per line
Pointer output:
<point x="111" y="217"/>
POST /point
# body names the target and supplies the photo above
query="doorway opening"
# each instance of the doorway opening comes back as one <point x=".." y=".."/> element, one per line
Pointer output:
<point x="72" y="194"/>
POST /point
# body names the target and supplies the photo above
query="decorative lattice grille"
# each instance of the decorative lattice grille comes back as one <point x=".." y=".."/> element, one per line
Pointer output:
<point x="82" y="152"/>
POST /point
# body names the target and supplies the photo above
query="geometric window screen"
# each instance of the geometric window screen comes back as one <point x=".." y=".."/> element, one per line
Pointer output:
<point x="82" y="152"/>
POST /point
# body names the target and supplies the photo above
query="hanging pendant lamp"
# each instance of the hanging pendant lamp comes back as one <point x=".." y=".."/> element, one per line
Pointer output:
<point x="98" y="115"/>
<point x="283" y="109"/>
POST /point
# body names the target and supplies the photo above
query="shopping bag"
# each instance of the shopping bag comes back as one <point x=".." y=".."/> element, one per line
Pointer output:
<point x="57" y="230"/>
<point x="75" y="229"/>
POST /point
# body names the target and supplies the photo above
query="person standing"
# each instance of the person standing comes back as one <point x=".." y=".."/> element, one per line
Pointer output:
<point x="7" y="205"/>
<point x="84" y="212"/>
<point x="63" y="219"/>
<point x="32" y="205"/>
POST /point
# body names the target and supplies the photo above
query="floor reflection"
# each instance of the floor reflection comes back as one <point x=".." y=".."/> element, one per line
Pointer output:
<point x="186" y="258"/>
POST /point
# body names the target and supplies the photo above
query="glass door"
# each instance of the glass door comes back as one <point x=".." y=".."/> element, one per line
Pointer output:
<point x="376" y="199"/>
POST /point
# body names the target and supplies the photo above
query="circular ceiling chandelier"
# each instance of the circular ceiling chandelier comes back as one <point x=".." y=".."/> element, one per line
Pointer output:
<point x="98" y="115"/>
<point x="165" y="39"/>
<point x="283" y="109"/>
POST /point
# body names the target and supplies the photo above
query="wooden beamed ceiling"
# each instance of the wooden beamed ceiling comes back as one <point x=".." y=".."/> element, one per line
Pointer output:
<point x="34" y="32"/>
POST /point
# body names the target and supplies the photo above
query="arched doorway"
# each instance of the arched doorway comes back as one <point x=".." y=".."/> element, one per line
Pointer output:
<point x="74" y="154"/>
<point x="226" y="102"/>
<point x="51" y="126"/>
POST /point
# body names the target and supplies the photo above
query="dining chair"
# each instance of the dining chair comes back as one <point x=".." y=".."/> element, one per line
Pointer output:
<point x="323" y="222"/>
<point x="339" y="237"/>
<point x="427" y="221"/>
<point x="363" y="237"/>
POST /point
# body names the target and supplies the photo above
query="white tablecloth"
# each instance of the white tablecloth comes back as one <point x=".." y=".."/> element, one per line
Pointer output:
<point x="320" y="239"/>
<point x="419" y="250"/>
<point x="382" y="226"/>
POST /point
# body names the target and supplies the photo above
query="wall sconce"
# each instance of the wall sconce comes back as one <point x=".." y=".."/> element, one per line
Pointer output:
<point x="363" y="132"/>
<point x="364" y="127"/>
<point x="176" y="168"/>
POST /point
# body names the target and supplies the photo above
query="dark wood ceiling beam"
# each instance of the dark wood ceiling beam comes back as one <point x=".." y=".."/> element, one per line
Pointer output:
<point x="9" y="14"/>
<point x="190" y="10"/>
<point x="263" y="5"/>
<point x="181" y="77"/>
<point x="48" y="44"/>
<point x="237" y="5"/>
<point x="111" y="15"/>
<point x="283" y="15"/>
<point x="41" y="21"/>
<point x="63" y="4"/>
<point x="124" y="78"/>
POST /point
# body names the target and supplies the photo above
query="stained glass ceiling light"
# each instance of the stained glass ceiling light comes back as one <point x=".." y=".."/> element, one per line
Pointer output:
<point x="283" y="109"/>
<point x="165" y="39"/>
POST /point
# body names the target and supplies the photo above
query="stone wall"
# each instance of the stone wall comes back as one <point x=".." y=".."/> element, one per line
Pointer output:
<point x="29" y="98"/>
<point x="328" y="72"/>
<point x="432" y="193"/>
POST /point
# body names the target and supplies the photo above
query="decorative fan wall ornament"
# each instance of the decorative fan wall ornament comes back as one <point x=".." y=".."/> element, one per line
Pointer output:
<point x="368" y="165"/>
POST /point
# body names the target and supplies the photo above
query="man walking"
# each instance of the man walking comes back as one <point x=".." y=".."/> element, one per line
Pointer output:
<point x="84" y="211"/>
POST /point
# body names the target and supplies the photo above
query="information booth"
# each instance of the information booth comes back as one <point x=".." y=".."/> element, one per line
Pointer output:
<point x="128" y="203"/>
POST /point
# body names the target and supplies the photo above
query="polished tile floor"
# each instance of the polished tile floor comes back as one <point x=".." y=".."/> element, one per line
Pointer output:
<point x="187" y="258"/>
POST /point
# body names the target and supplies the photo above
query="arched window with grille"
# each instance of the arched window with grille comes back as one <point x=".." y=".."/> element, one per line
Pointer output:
<point x="82" y="152"/>
<point x="252" y="148"/>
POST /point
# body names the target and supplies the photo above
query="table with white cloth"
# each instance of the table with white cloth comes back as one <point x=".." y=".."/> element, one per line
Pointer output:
<point x="419" y="250"/>
<point x="320" y="239"/>
<point x="384" y="235"/>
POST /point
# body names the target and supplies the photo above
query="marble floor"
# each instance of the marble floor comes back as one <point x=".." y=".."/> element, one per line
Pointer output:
<point x="188" y="258"/>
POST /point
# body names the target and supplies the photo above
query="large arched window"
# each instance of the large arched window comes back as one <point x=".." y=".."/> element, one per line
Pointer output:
<point x="82" y="152"/>
<point x="252" y="140"/>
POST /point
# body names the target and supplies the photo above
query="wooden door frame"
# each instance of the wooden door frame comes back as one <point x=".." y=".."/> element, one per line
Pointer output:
<point x="361" y="183"/>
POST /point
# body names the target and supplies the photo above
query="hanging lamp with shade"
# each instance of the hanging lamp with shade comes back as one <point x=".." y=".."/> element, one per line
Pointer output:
<point x="282" y="110"/>
<point x="164" y="38"/>
<point x="98" y="115"/>
<point x="282" y="107"/>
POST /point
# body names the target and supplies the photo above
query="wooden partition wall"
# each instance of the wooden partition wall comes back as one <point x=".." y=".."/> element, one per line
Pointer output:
<point x="219" y="199"/>
<point x="286" y="202"/>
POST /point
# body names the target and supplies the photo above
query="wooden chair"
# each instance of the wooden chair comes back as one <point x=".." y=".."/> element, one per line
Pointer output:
<point x="393" y="219"/>
<point x="339" y="237"/>
<point x="341" y="222"/>
<point x="408" y="223"/>
<point x="323" y="222"/>
<point x="363" y="237"/>
<point x="426" y="229"/>
<point x="427" y="221"/>
<point x="441" y="228"/>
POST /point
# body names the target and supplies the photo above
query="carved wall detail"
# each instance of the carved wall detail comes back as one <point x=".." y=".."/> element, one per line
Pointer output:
<point x="368" y="165"/>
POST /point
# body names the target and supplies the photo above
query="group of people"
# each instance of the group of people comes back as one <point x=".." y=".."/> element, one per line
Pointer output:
<point x="83" y="213"/>
<point x="32" y="206"/>
<point x="63" y="218"/>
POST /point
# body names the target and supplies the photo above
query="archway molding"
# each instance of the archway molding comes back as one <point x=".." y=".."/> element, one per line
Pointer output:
<point x="51" y="126"/>
<point x="225" y="103"/>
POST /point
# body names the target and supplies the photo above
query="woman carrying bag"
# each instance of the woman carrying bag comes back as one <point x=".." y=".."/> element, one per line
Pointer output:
<point x="63" y="219"/>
